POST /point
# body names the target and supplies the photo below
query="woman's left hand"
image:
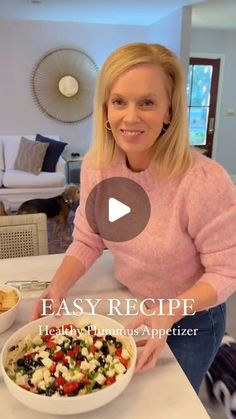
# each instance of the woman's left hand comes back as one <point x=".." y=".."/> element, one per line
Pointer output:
<point x="152" y="346"/>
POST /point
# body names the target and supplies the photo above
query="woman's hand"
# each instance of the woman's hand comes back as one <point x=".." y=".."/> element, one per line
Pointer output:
<point x="152" y="346"/>
<point x="65" y="277"/>
<point x="53" y="293"/>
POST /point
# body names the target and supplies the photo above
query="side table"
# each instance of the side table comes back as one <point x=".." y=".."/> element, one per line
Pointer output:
<point x="73" y="165"/>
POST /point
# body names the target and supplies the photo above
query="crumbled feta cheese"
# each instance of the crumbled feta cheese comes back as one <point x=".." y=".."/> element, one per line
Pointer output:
<point x="88" y="340"/>
<point x="47" y="362"/>
<point x="125" y="354"/>
<point x="84" y="351"/>
<point x="110" y="373"/>
<point x="98" y="344"/>
<point x="37" y="376"/>
<point x="92" y="365"/>
<point x="84" y="365"/>
<point x="42" y="385"/>
<point x="119" y="368"/>
<point x="100" y="379"/>
<point x="109" y="359"/>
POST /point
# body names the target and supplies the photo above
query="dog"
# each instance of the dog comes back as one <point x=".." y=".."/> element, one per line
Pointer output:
<point x="2" y="209"/>
<point x="56" y="208"/>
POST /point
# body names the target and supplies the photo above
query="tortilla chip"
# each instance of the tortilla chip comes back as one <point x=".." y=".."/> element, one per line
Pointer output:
<point x="8" y="300"/>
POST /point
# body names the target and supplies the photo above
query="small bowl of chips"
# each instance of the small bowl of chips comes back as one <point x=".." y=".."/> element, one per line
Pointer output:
<point x="9" y="304"/>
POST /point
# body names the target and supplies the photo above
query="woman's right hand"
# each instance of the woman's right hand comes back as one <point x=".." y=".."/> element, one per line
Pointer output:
<point x="52" y="293"/>
<point x="65" y="277"/>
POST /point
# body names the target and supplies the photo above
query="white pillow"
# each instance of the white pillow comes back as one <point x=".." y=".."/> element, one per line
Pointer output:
<point x="1" y="157"/>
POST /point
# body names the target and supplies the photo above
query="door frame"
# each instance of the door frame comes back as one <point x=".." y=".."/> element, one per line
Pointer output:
<point x="219" y="93"/>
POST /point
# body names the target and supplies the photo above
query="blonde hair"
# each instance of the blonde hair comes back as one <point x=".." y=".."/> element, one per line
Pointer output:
<point x="172" y="155"/>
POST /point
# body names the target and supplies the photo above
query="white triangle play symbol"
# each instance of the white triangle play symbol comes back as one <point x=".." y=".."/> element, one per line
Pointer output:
<point x="117" y="209"/>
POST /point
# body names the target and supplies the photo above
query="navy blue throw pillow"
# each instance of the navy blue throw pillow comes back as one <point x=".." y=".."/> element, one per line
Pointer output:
<point x="53" y="152"/>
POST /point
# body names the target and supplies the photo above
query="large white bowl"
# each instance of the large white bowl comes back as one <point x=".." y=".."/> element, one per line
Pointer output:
<point x="8" y="317"/>
<point x="76" y="404"/>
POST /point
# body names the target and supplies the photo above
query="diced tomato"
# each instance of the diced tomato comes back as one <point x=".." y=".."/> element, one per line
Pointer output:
<point x="52" y="369"/>
<point x="59" y="381"/>
<point x="76" y="349"/>
<point x="71" y="353"/>
<point x="70" y="387"/>
<point x="118" y="352"/>
<point x="78" y="362"/>
<point x="85" y="382"/>
<point x="30" y="355"/>
<point x="123" y="361"/>
<point x="50" y="344"/>
<point x="52" y="331"/>
<point x="92" y="332"/>
<point x="58" y="356"/>
<point x="25" y="387"/>
<point x="110" y="380"/>
<point x="65" y="362"/>
<point x="45" y="338"/>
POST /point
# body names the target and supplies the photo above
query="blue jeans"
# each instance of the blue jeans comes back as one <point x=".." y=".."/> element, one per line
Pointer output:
<point x="196" y="353"/>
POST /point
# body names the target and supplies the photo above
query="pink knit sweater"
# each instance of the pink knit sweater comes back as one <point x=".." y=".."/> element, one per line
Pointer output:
<point x="190" y="237"/>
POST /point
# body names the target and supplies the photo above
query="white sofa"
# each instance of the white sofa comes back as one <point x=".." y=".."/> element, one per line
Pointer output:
<point x="17" y="186"/>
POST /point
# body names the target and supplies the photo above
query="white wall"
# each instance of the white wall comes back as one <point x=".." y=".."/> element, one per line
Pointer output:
<point x="222" y="43"/>
<point x="174" y="31"/>
<point x="22" y="43"/>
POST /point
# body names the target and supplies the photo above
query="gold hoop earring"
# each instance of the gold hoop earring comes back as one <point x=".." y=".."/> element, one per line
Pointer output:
<point x="108" y="127"/>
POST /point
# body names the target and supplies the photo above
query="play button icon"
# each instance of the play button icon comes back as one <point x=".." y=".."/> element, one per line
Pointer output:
<point x="118" y="209"/>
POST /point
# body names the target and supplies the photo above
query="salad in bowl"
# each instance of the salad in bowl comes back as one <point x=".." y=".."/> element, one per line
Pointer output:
<point x="51" y="362"/>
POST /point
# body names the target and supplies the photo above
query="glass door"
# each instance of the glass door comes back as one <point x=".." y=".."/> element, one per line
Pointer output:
<point x="202" y="87"/>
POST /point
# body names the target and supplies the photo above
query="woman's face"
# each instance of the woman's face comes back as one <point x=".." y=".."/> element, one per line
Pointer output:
<point x="138" y="106"/>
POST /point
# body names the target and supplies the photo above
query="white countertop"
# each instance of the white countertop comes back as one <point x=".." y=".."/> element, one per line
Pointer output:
<point x="163" y="393"/>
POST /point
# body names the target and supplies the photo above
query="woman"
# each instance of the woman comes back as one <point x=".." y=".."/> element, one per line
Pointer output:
<point x="188" y="248"/>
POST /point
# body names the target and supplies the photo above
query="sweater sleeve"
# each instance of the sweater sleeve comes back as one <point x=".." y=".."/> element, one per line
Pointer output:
<point x="212" y="226"/>
<point x="87" y="246"/>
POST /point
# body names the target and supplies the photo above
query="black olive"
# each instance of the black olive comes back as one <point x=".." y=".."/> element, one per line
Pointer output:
<point x="35" y="364"/>
<point x="104" y="349"/>
<point x="50" y="391"/>
<point x="20" y="362"/>
<point x="28" y="362"/>
<point x="39" y="361"/>
<point x="81" y="386"/>
<point x="80" y="357"/>
<point x="97" y="385"/>
<point x="30" y="383"/>
<point x="61" y="392"/>
<point x="108" y="337"/>
<point x="102" y="361"/>
<point x="41" y="391"/>
<point x="118" y="345"/>
<point x="77" y="342"/>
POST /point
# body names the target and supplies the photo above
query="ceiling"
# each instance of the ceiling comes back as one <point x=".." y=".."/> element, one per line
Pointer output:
<point x="218" y="14"/>
<point x="215" y="14"/>
<point x="130" y="12"/>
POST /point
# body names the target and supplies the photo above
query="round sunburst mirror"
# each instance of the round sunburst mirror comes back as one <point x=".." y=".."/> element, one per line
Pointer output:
<point x="63" y="84"/>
